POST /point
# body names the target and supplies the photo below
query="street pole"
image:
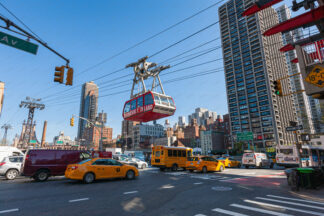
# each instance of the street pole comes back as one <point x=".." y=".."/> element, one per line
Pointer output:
<point x="100" y="143"/>
<point x="298" y="147"/>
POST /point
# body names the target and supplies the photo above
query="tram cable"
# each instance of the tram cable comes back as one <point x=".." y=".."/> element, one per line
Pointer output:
<point x="152" y="55"/>
<point x="216" y="70"/>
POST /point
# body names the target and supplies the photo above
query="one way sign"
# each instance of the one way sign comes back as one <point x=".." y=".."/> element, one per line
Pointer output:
<point x="298" y="127"/>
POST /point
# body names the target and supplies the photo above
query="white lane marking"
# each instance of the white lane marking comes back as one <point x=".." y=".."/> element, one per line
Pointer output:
<point x="198" y="183"/>
<point x="130" y="192"/>
<point x="9" y="210"/>
<point x="291" y="203"/>
<point x="251" y="173"/>
<point x="308" y="201"/>
<point x="168" y="186"/>
<point x="200" y="215"/>
<point x="228" y="212"/>
<point x="259" y="210"/>
<point x="284" y="207"/>
<point x="78" y="200"/>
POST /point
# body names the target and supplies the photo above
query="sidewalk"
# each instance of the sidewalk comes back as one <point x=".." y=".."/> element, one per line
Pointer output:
<point x="310" y="194"/>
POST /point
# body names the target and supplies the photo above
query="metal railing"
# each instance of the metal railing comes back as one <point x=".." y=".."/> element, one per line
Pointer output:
<point x="313" y="53"/>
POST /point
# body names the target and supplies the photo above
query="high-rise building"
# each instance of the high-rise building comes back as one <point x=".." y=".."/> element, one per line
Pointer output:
<point x="252" y="62"/>
<point x="88" y="105"/>
<point x="201" y="115"/>
<point x="182" y="121"/>
<point x="2" y="84"/>
<point x="301" y="100"/>
<point x="92" y="136"/>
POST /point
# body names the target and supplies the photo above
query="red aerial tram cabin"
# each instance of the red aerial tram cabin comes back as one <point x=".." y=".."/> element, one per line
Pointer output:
<point x="148" y="107"/>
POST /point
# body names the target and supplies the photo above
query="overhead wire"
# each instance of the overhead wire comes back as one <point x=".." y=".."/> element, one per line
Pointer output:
<point x="158" y="52"/>
<point x="19" y="20"/>
<point x="151" y="37"/>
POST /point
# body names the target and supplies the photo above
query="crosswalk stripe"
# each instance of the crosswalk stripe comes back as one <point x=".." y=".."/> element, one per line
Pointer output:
<point x="284" y="207"/>
<point x="291" y="203"/>
<point x="308" y="201"/>
<point x="228" y="212"/>
<point x="259" y="210"/>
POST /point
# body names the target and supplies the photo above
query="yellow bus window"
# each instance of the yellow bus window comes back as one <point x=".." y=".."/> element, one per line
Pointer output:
<point x="179" y="153"/>
<point x="174" y="153"/>
<point x="157" y="154"/>
<point x="183" y="153"/>
<point x="188" y="153"/>
<point x="162" y="152"/>
<point x="170" y="153"/>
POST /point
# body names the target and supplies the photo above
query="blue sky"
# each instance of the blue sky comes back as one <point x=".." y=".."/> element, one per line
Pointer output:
<point x="87" y="32"/>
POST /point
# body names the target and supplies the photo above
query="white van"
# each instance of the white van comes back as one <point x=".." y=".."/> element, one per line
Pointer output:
<point x="6" y="151"/>
<point x="253" y="159"/>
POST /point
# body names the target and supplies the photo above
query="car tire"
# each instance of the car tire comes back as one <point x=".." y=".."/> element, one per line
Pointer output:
<point x="88" y="178"/>
<point x="271" y="165"/>
<point x="239" y="165"/>
<point x="162" y="169"/>
<point x="204" y="169"/>
<point x="174" y="167"/>
<point x="130" y="175"/>
<point x="11" y="174"/>
<point x="41" y="175"/>
<point x="143" y="166"/>
<point x="246" y="167"/>
<point x="221" y="169"/>
<point x="191" y="170"/>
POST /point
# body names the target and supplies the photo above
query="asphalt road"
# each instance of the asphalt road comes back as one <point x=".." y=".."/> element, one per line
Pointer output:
<point x="236" y="192"/>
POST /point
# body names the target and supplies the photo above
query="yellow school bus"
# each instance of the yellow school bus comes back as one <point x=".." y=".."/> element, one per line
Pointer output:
<point x="170" y="157"/>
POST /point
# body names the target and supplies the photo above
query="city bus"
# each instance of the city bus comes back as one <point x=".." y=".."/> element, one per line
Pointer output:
<point x="310" y="156"/>
<point x="170" y="157"/>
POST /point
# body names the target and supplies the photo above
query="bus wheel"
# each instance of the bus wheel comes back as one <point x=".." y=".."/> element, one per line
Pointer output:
<point x="174" y="167"/>
<point x="191" y="170"/>
<point x="162" y="169"/>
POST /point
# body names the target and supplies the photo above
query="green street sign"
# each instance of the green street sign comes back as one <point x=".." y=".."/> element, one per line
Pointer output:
<point x="244" y="136"/>
<point x="32" y="141"/>
<point x="59" y="142"/>
<point x="18" y="43"/>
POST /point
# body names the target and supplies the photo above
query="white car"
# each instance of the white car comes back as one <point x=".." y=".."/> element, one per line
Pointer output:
<point x="253" y="159"/>
<point x="140" y="164"/>
<point x="10" y="167"/>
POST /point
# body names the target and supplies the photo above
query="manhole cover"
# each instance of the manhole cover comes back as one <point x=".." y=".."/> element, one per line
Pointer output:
<point x="222" y="188"/>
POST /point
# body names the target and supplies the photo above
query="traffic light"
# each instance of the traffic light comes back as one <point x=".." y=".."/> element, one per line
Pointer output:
<point x="277" y="87"/>
<point x="72" y="122"/>
<point x="59" y="74"/>
<point x="69" y="76"/>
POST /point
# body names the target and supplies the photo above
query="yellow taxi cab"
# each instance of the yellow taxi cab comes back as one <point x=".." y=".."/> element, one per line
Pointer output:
<point x="100" y="168"/>
<point x="204" y="164"/>
<point x="229" y="162"/>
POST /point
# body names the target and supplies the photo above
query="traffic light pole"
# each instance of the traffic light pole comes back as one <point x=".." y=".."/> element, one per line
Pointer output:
<point x="96" y="127"/>
<point x="27" y="34"/>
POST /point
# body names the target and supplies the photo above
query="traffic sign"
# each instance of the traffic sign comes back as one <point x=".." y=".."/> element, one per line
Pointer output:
<point x="298" y="127"/>
<point x="32" y="141"/>
<point x="59" y="142"/>
<point x="244" y="136"/>
<point x="316" y="76"/>
<point x="305" y="137"/>
<point x="18" y="43"/>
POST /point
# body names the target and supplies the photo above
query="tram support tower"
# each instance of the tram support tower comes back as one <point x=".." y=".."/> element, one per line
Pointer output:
<point x="6" y="127"/>
<point x="31" y="104"/>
